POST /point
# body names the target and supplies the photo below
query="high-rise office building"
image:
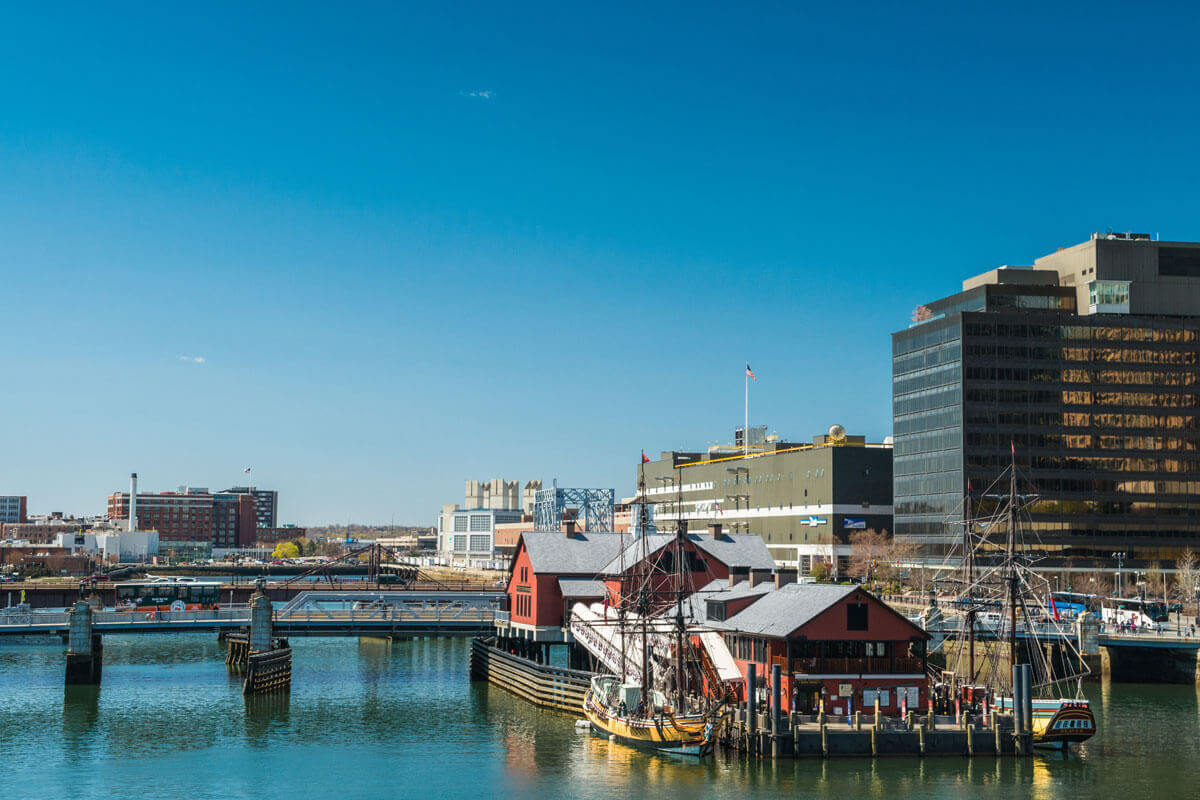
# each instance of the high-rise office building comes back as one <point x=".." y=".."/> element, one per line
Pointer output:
<point x="1085" y="366"/>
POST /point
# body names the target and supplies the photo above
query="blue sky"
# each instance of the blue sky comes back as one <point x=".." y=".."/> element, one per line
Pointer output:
<point x="415" y="244"/>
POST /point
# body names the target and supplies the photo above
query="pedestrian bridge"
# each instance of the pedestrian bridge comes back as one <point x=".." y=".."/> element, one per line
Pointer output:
<point x="312" y="613"/>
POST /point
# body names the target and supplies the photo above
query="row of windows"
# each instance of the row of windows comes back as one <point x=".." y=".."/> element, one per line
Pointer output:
<point x="1103" y="377"/>
<point x="947" y="353"/>
<point x="930" y="334"/>
<point x="1040" y="354"/>
<point x="1077" y="442"/>
<point x="909" y="485"/>
<point x="947" y="439"/>
<point x="922" y="463"/>
<point x="991" y="462"/>
<point x="1083" y="397"/>
<point x="927" y="421"/>
<point x="989" y="415"/>
<point x="944" y="375"/>
<point x="928" y="399"/>
<point x="1137" y="332"/>
<point x="523" y="605"/>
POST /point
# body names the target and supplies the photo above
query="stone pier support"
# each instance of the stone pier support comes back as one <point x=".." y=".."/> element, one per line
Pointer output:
<point x="84" y="649"/>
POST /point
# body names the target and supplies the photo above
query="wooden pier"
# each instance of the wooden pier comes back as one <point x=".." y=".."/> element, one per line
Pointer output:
<point x="541" y="684"/>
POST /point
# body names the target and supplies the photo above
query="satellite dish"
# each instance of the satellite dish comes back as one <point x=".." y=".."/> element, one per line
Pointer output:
<point x="837" y="433"/>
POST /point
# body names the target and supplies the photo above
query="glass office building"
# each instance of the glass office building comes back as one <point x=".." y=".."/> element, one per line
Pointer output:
<point x="1086" y="367"/>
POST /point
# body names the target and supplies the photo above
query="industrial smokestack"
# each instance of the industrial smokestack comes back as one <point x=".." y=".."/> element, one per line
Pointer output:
<point x="133" y="526"/>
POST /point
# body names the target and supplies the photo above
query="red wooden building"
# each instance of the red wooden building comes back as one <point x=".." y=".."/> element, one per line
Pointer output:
<point x="836" y="643"/>
<point x="551" y="571"/>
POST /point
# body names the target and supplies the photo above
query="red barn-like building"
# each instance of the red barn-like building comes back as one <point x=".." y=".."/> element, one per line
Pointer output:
<point x="551" y="571"/>
<point x="836" y="643"/>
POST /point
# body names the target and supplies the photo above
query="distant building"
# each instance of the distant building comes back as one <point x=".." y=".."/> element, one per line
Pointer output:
<point x="282" y="533"/>
<point x="468" y="537"/>
<point x="41" y="531"/>
<point x="194" y="516"/>
<point x="497" y="494"/>
<point x="1085" y="368"/>
<point x="266" y="507"/>
<point x="12" y="508"/>
<point x="804" y="499"/>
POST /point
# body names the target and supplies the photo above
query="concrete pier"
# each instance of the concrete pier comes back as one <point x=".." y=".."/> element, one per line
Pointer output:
<point x="84" y="649"/>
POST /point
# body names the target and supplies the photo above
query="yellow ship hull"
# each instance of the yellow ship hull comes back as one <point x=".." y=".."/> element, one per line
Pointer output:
<point x="1058" y="723"/>
<point x="691" y="734"/>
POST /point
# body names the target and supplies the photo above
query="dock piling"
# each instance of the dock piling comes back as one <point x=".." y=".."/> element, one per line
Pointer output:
<point x="84" y="649"/>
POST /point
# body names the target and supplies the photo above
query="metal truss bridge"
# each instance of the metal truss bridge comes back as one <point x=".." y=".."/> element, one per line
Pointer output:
<point x="342" y="613"/>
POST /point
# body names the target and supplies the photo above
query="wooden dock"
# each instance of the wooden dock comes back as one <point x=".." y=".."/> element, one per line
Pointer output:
<point x="541" y="684"/>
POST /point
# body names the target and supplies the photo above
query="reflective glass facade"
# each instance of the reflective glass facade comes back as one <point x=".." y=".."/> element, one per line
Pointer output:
<point x="1102" y="410"/>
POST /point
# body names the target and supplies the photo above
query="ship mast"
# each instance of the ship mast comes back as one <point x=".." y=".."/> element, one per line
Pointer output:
<point x="969" y="561"/>
<point x="680" y="543"/>
<point x="1011" y="553"/>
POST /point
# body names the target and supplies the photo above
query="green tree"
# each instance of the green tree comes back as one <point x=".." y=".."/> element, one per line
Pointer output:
<point x="819" y="571"/>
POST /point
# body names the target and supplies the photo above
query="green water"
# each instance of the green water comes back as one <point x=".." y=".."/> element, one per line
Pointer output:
<point x="367" y="719"/>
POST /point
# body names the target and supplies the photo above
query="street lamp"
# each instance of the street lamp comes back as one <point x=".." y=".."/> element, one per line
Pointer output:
<point x="1120" y="557"/>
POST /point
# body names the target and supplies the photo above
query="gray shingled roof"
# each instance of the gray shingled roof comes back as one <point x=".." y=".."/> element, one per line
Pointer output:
<point x="552" y="552"/>
<point x="722" y="591"/>
<point x="743" y="550"/>
<point x="782" y="611"/>
<point x="582" y="587"/>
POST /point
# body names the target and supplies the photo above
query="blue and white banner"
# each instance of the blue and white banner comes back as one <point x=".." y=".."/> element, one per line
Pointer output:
<point x="854" y="523"/>
<point x="813" y="522"/>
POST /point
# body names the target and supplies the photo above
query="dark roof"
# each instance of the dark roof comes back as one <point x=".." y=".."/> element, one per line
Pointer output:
<point x="744" y="550"/>
<point x="552" y="552"/>
<point x="581" y="587"/>
<point x="778" y="613"/>
<point x="721" y="591"/>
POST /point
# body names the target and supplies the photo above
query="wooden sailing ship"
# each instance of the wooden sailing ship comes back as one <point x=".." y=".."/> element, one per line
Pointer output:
<point x="1003" y="612"/>
<point x="647" y="702"/>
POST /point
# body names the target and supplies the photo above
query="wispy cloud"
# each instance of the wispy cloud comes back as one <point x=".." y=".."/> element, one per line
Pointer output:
<point x="193" y="359"/>
<point x="482" y="94"/>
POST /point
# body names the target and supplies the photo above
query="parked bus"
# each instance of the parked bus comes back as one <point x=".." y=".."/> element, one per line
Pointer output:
<point x="1140" y="614"/>
<point x="168" y="594"/>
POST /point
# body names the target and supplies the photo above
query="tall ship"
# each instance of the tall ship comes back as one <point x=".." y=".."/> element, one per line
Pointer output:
<point x="651" y="701"/>
<point x="1002" y="614"/>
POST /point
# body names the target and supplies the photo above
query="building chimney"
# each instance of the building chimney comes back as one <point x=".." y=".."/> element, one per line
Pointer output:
<point x="717" y="531"/>
<point x="758" y="576"/>
<point x="737" y="574"/>
<point x="784" y="576"/>
<point x="571" y="529"/>
<point x="133" y="526"/>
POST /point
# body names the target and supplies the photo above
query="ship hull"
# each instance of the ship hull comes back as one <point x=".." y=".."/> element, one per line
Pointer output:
<point x="1059" y="723"/>
<point x="689" y="735"/>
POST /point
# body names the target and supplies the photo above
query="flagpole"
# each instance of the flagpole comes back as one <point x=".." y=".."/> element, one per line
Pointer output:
<point x="746" y="423"/>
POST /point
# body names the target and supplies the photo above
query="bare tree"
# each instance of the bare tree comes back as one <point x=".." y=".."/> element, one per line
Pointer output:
<point x="1156" y="581"/>
<point x="1187" y="576"/>
<point x="868" y="552"/>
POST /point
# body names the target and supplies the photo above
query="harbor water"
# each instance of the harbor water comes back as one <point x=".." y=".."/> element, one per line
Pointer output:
<point x="372" y="719"/>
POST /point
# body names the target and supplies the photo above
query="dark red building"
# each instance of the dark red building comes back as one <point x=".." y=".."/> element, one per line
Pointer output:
<point x="839" y="644"/>
<point x="223" y="519"/>
<point x="550" y="571"/>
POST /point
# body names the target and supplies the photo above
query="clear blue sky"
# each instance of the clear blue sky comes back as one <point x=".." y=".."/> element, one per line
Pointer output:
<point x="418" y="244"/>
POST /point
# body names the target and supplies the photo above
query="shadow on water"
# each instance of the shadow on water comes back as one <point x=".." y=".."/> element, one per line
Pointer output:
<point x="267" y="714"/>
<point x="81" y="714"/>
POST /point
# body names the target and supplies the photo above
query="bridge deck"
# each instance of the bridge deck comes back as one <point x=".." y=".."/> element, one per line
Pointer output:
<point x="311" y="614"/>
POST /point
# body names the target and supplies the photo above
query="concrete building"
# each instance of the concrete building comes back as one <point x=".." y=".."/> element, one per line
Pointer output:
<point x="266" y="504"/>
<point x="804" y="500"/>
<point x="13" y="509"/>
<point x="497" y="494"/>
<point x="468" y="537"/>
<point x="1086" y="366"/>
<point x="112" y="546"/>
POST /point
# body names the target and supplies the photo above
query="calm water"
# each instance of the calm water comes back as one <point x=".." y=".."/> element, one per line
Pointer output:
<point x="372" y="720"/>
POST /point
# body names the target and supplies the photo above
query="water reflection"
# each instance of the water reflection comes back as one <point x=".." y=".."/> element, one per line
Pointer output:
<point x="266" y="714"/>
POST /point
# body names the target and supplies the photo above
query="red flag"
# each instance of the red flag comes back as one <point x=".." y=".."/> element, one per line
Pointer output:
<point x="750" y="372"/>
<point x="1053" y="608"/>
<point x="645" y="458"/>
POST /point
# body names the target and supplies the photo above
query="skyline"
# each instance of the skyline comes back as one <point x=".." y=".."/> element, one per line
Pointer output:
<point x="374" y="256"/>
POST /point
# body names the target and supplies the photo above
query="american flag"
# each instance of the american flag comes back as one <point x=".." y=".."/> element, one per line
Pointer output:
<point x="750" y="372"/>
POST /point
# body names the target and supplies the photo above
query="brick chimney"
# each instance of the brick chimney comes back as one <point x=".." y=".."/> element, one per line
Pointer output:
<point x="784" y="576"/>
<point x="758" y="576"/>
<point x="571" y="534"/>
<point x="738" y="574"/>
<point x="717" y="532"/>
